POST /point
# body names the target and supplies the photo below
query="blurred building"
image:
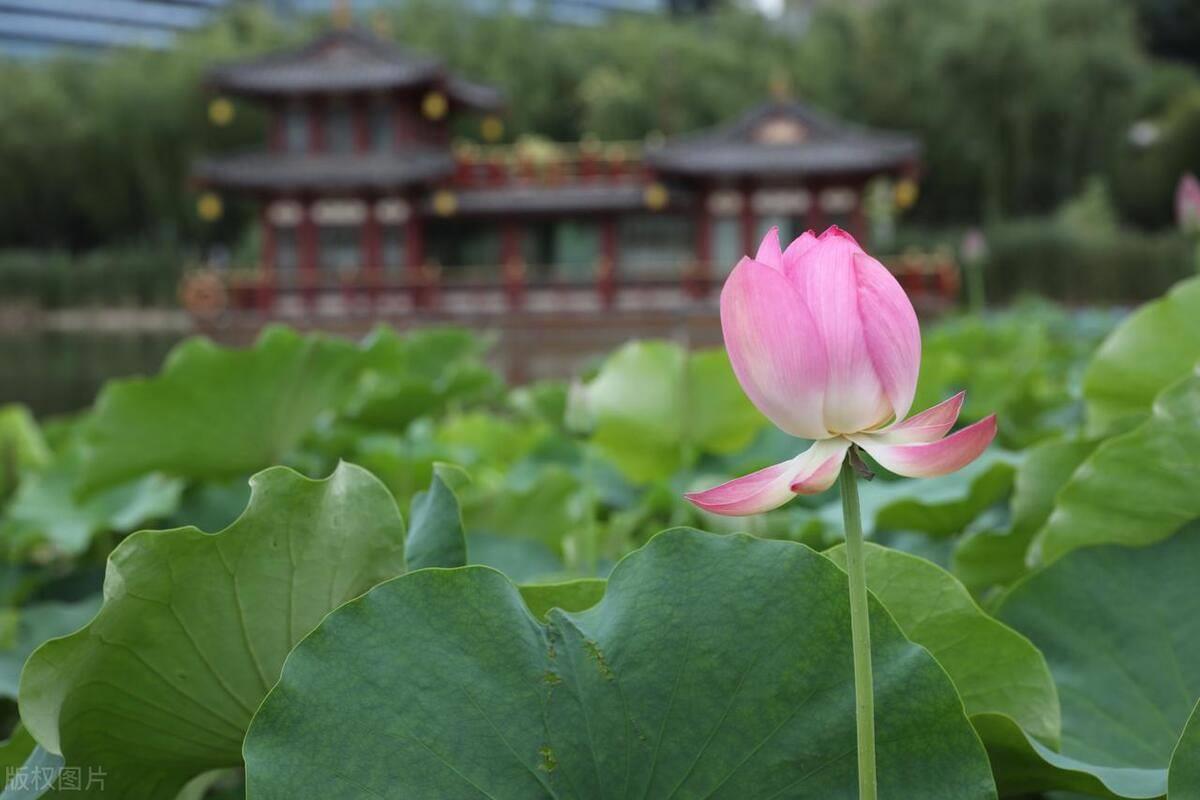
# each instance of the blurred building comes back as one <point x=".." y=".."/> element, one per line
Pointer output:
<point x="32" y="28"/>
<point x="367" y="202"/>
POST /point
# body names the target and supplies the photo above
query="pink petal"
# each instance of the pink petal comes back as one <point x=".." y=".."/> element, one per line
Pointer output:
<point x="827" y="278"/>
<point x="774" y="348"/>
<point x="892" y="334"/>
<point x="798" y="248"/>
<point x="928" y="426"/>
<point x="812" y="471"/>
<point x="929" y="459"/>
<point x="768" y="250"/>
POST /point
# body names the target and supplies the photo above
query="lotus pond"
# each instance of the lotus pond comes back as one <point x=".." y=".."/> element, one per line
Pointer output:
<point x="317" y="568"/>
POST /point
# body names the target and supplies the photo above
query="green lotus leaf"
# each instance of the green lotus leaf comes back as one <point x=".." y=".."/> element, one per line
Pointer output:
<point x="1152" y="349"/>
<point x="995" y="669"/>
<point x="214" y="412"/>
<point x="435" y="531"/>
<point x="714" y="666"/>
<point x="1136" y="488"/>
<point x="653" y="407"/>
<point x="1183" y="780"/>
<point x="1120" y="629"/>
<point x="987" y="558"/>
<point x="161" y="685"/>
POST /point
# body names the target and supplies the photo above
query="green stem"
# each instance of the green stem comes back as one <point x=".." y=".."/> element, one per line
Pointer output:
<point x="860" y="634"/>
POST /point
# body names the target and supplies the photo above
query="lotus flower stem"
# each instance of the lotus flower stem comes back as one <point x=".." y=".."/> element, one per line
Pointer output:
<point x="860" y="633"/>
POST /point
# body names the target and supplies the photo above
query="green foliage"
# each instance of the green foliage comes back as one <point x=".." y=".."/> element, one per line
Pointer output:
<point x="653" y="408"/>
<point x="1136" y="488"/>
<point x="1183" y="780"/>
<point x="1118" y="628"/>
<point x="995" y="669"/>
<point x="1158" y="345"/>
<point x="200" y="624"/>
<point x="216" y="413"/>
<point x="682" y="679"/>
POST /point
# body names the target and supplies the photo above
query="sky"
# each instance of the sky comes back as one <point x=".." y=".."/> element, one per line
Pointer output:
<point x="772" y="7"/>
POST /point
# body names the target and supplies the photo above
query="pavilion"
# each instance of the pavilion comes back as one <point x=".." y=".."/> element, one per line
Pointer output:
<point x="364" y="195"/>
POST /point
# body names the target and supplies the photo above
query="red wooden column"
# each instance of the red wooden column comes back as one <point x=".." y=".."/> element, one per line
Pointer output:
<point x="815" y="218"/>
<point x="372" y="250"/>
<point x="702" y="269"/>
<point x="266" y="279"/>
<point x="414" y="251"/>
<point x="512" y="236"/>
<point x="607" y="270"/>
<point x="749" y="223"/>
<point x="308" y="243"/>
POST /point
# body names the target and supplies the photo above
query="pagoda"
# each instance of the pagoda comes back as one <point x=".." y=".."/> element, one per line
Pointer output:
<point x="367" y="202"/>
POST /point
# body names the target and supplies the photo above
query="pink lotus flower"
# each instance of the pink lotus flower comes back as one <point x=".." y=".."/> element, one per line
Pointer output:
<point x="1187" y="203"/>
<point x="826" y="344"/>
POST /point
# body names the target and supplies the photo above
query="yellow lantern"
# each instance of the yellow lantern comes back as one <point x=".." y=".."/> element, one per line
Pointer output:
<point x="444" y="203"/>
<point x="220" y="112"/>
<point x="656" y="197"/>
<point x="209" y="207"/>
<point x="492" y="128"/>
<point x="906" y="193"/>
<point x="434" y="106"/>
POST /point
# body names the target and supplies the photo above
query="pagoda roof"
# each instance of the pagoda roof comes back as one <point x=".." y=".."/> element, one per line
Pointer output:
<point x="326" y="172"/>
<point x="782" y="139"/>
<point x="347" y="60"/>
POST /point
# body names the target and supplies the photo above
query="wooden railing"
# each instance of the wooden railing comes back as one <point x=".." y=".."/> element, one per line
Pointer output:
<point x="544" y="163"/>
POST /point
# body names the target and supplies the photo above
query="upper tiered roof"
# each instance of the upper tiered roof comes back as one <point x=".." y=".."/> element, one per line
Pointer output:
<point x="785" y="139"/>
<point x="348" y="60"/>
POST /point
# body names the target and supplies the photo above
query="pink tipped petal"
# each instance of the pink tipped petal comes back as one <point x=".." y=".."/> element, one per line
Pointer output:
<point x="770" y="488"/>
<point x="824" y="461"/>
<point x="768" y="250"/>
<point x="827" y="280"/>
<point x="799" y="246"/>
<point x="774" y="348"/>
<point x="892" y="334"/>
<point x="928" y="426"/>
<point x="929" y="459"/>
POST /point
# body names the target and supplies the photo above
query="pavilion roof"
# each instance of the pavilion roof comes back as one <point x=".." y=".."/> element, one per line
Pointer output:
<point x="782" y="139"/>
<point x="347" y="60"/>
<point x="326" y="172"/>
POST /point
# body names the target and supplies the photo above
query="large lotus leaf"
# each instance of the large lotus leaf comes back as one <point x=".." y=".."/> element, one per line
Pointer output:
<point x="1120" y="629"/>
<point x="995" y="669"/>
<point x="986" y="558"/>
<point x="1152" y="349"/>
<point x="214" y="412"/>
<point x="47" y="512"/>
<point x="653" y="407"/>
<point x="1137" y="487"/>
<point x="1183" y="782"/>
<point x="713" y="667"/>
<point x="160" y="687"/>
<point x="36" y="624"/>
